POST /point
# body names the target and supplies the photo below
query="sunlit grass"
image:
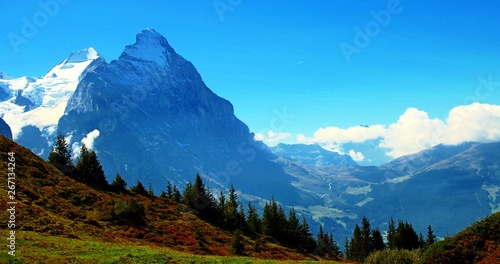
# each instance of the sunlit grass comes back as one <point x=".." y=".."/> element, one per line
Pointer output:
<point x="33" y="247"/>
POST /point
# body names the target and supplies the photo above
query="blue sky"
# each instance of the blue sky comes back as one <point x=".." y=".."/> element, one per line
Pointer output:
<point x="275" y="59"/>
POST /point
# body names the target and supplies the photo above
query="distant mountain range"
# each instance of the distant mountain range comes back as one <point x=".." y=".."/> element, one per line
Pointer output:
<point x="448" y="187"/>
<point x="150" y="117"/>
<point x="312" y="155"/>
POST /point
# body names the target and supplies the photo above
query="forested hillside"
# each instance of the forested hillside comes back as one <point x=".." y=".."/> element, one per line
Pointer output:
<point x="74" y="204"/>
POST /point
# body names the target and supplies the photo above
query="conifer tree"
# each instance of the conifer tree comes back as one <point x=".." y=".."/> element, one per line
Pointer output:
<point x="366" y="237"/>
<point x="377" y="241"/>
<point x="81" y="170"/>
<point x="282" y="223"/>
<point x="221" y="205"/>
<point x="150" y="190"/>
<point x="356" y="245"/>
<point x="119" y="184"/>
<point x="421" y="241"/>
<point x="60" y="156"/>
<point x="391" y="234"/>
<point x="200" y="198"/>
<point x="293" y="226"/>
<point x="253" y="219"/>
<point x="347" y="252"/>
<point x="232" y="216"/>
<point x="326" y="245"/>
<point x="176" y="195"/>
<point x="139" y="189"/>
<point x="241" y="214"/>
<point x="306" y="240"/>
<point x="322" y="242"/>
<point x="274" y="221"/>
<point x="98" y="173"/>
<point x="365" y="241"/>
<point x="269" y="220"/>
<point x="333" y="247"/>
<point x="431" y="238"/>
<point x="203" y="198"/>
<point x="189" y="194"/>
<point x="232" y="204"/>
<point x="199" y="187"/>
<point x="406" y="237"/>
<point x="170" y="191"/>
<point x="89" y="170"/>
<point x="237" y="246"/>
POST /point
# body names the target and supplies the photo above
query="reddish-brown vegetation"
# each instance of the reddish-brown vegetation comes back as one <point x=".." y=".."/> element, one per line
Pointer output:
<point x="52" y="203"/>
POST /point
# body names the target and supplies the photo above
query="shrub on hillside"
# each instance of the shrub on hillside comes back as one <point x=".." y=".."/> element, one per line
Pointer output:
<point x="129" y="212"/>
<point x="471" y="245"/>
<point x="393" y="256"/>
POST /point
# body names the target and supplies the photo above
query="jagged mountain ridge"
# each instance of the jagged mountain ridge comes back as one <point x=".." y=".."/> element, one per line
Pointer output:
<point x="413" y="163"/>
<point x="312" y="155"/>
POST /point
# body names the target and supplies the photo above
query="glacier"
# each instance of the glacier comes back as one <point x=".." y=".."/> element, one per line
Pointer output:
<point x="40" y="102"/>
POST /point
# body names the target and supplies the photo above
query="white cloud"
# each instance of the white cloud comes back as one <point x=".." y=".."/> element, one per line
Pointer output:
<point x="333" y="146"/>
<point x="415" y="131"/>
<point x="475" y="122"/>
<point x="88" y="140"/>
<point x="272" y="138"/>
<point x="356" y="156"/>
<point x="339" y="135"/>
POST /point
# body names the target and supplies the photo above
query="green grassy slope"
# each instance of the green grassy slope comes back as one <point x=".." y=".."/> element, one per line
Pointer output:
<point x="40" y="248"/>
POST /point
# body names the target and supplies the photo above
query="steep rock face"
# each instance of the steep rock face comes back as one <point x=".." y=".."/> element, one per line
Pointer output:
<point x="157" y="120"/>
<point x="5" y="129"/>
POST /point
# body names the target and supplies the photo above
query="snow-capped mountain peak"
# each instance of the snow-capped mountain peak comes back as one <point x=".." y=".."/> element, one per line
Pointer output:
<point x="150" y="46"/>
<point x="72" y="68"/>
<point x="5" y="76"/>
<point x="83" y="55"/>
<point x="41" y="102"/>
